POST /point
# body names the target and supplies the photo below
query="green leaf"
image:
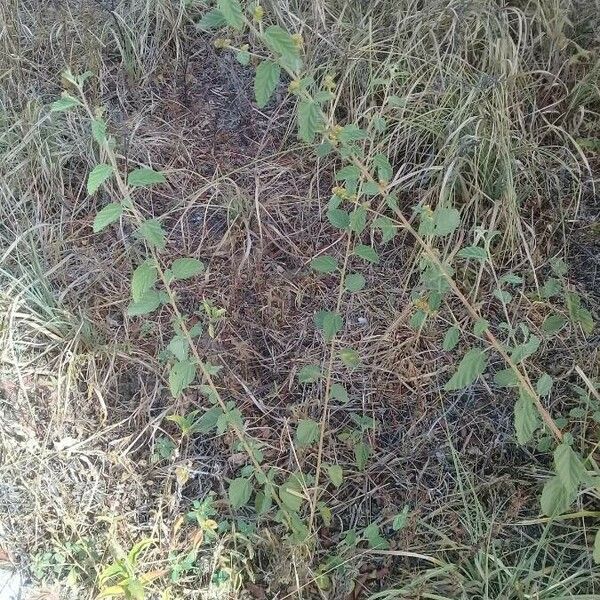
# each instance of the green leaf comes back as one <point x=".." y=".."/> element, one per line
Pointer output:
<point x="144" y="176"/>
<point x="385" y="171"/>
<point x="243" y="57"/>
<point x="336" y="475"/>
<point x="569" y="467"/>
<point x="290" y="492"/>
<point x="266" y="81"/>
<point x="370" y="188"/>
<point x="232" y="13"/>
<point x="324" y="264"/>
<point x="184" y="268"/>
<point x="506" y="378"/>
<point x="329" y="322"/>
<point x="352" y="133"/>
<point x="400" y="519"/>
<point x="146" y="304"/>
<point x="143" y="279"/>
<point x="354" y="282"/>
<point x="445" y="220"/>
<point x="65" y="102"/>
<point x="178" y="347"/>
<point x="213" y="19"/>
<point x="544" y="385"/>
<point x="480" y="326"/>
<point x="98" y="175"/>
<point x="338" y="392"/>
<point x="338" y="218"/>
<point x="451" y="338"/>
<point x="309" y="120"/>
<point x="556" y="499"/>
<point x="470" y="368"/>
<point x="239" y="492"/>
<point x="307" y="432"/>
<point x="362" y="452"/>
<point x="358" y="219"/>
<point x="596" y="552"/>
<point x="281" y="42"/>
<point x="109" y="214"/>
<point x="585" y="319"/>
<point x="526" y="418"/>
<point x="348" y="173"/>
<point x="181" y="376"/>
<point x="367" y="253"/>
<point x="387" y="227"/>
<point x="473" y="252"/>
<point x="523" y="351"/>
<point x="350" y="358"/>
<point x="99" y="130"/>
<point x="152" y="232"/>
<point x="309" y="374"/>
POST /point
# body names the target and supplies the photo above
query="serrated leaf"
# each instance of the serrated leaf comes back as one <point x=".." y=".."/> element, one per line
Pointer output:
<point x="480" y="326"/>
<point x="98" y="175"/>
<point x="350" y="358"/>
<point x="282" y="43"/>
<point x="266" y="80"/>
<point x="184" y="268"/>
<point x="290" y="493"/>
<point x="586" y="320"/>
<point x="544" y="385"/>
<point x="148" y="303"/>
<point x="352" y="133"/>
<point x="324" y="264"/>
<point x="153" y="233"/>
<point x="445" y="221"/>
<point x="232" y="13"/>
<point x="385" y="171"/>
<point x="144" y="176"/>
<point x="309" y="120"/>
<point x="370" y="188"/>
<point x="354" y="282"/>
<point x="451" y="339"/>
<point x="338" y="218"/>
<point x="109" y="214"/>
<point x="181" y="376"/>
<point x="506" y="378"/>
<point x="358" y="219"/>
<point x="367" y="253"/>
<point x="239" y="492"/>
<point x="338" y="392"/>
<point x="178" y="347"/>
<point x="348" y="173"/>
<point x="523" y="351"/>
<point x="336" y="475"/>
<point x="213" y="19"/>
<point x="526" y="418"/>
<point x="307" y="432"/>
<point x="556" y="499"/>
<point x="469" y="369"/>
<point x="329" y="322"/>
<point x="99" y="130"/>
<point x="309" y="374"/>
<point x="65" y="102"/>
<point x="569" y="467"/>
<point x="387" y="227"/>
<point x="143" y="279"/>
<point x="473" y="252"/>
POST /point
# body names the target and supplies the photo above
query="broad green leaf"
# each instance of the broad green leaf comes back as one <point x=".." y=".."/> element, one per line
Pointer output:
<point x="99" y="130"/>
<point x="400" y="519"/>
<point x="556" y="499"/>
<point x="181" y="376"/>
<point x="336" y="475"/>
<point x="553" y="324"/>
<point x="358" y="219"/>
<point x="309" y="374"/>
<point x="480" y="326"/>
<point x="384" y="168"/>
<point x="146" y="304"/>
<point x="144" y="176"/>
<point x="324" y="264"/>
<point x="338" y="218"/>
<point x="596" y="552"/>
<point x="338" y="392"/>
<point x="473" y="252"/>
<point x="362" y="452"/>
<point x="239" y="492"/>
<point x="373" y="536"/>
<point x="354" y="282"/>
<point x="98" y="175"/>
<point x="307" y="432"/>
<point x="350" y="358"/>
<point x="152" y="232"/>
<point x="523" y="351"/>
<point x="329" y="322"/>
<point x="213" y="19"/>
<point x="370" y="188"/>
<point x="506" y="378"/>
<point x="184" y="268"/>
<point x="282" y="43"/>
<point x="65" y="102"/>
<point x="470" y="368"/>
<point x="232" y="13"/>
<point x="387" y="227"/>
<point x="178" y="347"/>
<point x="502" y="295"/>
<point x="348" y="173"/>
<point x="451" y="338"/>
<point x="290" y="493"/>
<point x="445" y="220"/>
<point x="569" y="467"/>
<point x="352" y="133"/>
<point x="309" y="120"/>
<point x="109" y="214"/>
<point x="526" y="418"/>
<point x="544" y="385"/>
<point x="367" y="253"/>
<point x="243" y="57"/>
<point x="143" y="279"/>
<point x="585" y="319"/>
<point x="266" y="81"/>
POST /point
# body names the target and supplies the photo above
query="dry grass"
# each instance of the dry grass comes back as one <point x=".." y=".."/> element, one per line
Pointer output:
<point x="487" y="108"/>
